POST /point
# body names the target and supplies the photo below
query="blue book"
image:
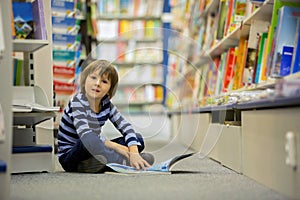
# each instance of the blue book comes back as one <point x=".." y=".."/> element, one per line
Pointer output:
<point x="65" y="25"/>
<point x="285" y="34"/>
<point x="286" y="60"/>
<point x="66" y="42"/>
<point x="296" y="56"/>
<point x="63" y="8"/>
<point x="23" y="20"/>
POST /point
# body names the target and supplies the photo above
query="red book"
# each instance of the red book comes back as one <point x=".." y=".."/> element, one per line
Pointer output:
<point x="229" y="68"/>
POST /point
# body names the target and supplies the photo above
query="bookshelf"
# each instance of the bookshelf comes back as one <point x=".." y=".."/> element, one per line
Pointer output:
<point x="5" y="101"/>
<point x="130" y="36"/>
<point x="32" y="144"/>
<point x="203" y="55"/>
<point x="245" y="127"/>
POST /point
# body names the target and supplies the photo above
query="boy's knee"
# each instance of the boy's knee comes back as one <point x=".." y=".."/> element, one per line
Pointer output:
<point x="91" y="140"/>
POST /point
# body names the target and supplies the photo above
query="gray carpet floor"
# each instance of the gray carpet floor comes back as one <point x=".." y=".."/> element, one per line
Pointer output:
<point x="192" y="178"/>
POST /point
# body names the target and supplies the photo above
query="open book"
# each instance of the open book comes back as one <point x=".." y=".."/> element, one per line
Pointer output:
<point x="31" y="99"/>
<point x="32" y="107"/>
<point x="162" y="167"/>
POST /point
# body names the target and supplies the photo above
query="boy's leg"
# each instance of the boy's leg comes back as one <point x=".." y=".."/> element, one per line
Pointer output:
<point x="88" y="146"/>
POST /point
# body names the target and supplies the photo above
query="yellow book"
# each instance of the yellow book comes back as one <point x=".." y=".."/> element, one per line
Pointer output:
<point x="240" y="63"/>
<point x="125" y="28"/>
<point x="149" y="32"/>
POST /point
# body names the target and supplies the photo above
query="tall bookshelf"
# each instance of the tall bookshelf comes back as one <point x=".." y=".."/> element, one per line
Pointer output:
<point x="246" y="128"/>
<point x="32" y="145"/>
<point x="203" y="58"/>
<point x="5" y="101"/>
<point x="130" y="36"/>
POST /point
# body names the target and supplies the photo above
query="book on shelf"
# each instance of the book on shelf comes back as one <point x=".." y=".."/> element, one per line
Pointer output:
<point x="23" y="20"/>
<point x="66" y="42"/>
<point x="19" y="106"/>
<point x="221" y="71"/>
<point x="107" y="51"/>
<point x="162" y="167"/>
<point x="229" y="16"/>
<point x="63" y="8"/>
<point x="40" y="31"/>
<point x="111" y="7"/>
<point x="223" y="8"/>
<point x="285" y="35"/>
<point x="249" y="67"/>
<point x="126" y="7"/>
<point x="30" y="99"/>
<point x="286" y="60"/>
<point x="125" y="28"/>
<point x="240" y="12"/>
<point x="296" y="55"/>
<point x="240" y="63"/>
<point x="62" y="93"/>
<point x="154" y="8"/>
<point x="107" y="29"/>
<point x="276" y="6"/>
<point x="212" y="76"/>
<point x="260" y="55"/>
<point x="63" y="74"/>
<point x="18" y="72"/>
<point x="65" y="25"/>
<point x="229" y="69"/>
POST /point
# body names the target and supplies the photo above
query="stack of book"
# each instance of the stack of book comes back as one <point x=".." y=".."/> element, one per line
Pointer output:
<point x="66" y="50"/>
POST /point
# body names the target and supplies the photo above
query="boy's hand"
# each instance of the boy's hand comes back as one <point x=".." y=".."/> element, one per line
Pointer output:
<point x="137" y="161"/>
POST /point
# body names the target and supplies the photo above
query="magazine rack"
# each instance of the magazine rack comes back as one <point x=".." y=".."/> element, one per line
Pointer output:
<point x="30" y="108"/>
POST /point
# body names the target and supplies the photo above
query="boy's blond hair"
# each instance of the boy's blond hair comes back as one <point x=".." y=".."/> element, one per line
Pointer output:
<point x="105" y="67"/>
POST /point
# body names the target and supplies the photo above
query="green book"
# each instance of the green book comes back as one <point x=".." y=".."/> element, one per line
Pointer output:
<point x="19" y="72"/>
<point x="261" y="50"/>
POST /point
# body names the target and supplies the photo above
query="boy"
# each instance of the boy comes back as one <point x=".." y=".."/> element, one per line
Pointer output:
<point x="81" y="147"/>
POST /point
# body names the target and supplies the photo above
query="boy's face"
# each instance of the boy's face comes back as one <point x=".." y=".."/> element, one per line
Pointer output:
<point x="96" y="86"/>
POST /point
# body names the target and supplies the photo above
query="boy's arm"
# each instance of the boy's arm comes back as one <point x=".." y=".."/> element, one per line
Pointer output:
<point x="123" y="150"/>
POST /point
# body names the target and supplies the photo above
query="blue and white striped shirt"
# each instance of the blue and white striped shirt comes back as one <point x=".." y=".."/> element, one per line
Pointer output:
<point x="78" y="119"/>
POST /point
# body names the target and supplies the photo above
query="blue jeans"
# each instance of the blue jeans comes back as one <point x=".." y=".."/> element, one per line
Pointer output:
<point x="90" y="145"/>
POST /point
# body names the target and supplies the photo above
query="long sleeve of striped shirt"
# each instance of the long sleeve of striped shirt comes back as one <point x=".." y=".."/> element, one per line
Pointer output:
<point x="78" y="119"/>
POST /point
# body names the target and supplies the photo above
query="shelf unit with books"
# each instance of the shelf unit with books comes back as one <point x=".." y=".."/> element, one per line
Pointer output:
<point x="5" y="100"/>
<point x="250" y="94"/>
<point x="130" y="36"/>
<point x="32" y="144"/>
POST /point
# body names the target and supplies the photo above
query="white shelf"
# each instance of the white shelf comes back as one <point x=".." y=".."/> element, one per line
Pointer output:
<point x="28" y="45"/>
<point x="127" y="17"/>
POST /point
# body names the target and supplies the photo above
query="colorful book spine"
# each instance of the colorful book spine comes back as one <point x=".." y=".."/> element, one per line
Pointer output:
<point x="240" y="63"/>
<point x="229" y="69"/>
<point x="261" y="50"/>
